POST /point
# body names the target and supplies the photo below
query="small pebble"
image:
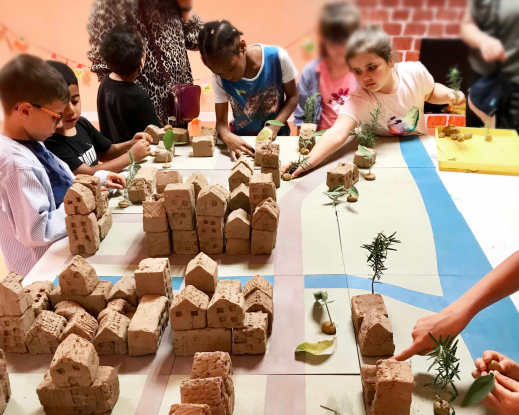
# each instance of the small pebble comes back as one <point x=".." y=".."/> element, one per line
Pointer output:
<point x="123" y="204"/>
<point x="287" y="177"/>
<point x="441" y="135"/>
<point x="166" y="166"/>
<point x="304" y="151"/>
<point x="454" y="136"/>
<point x="370" y="176"/>
<point x="352" y="198"/>
<point x="329" y="328"/>
<point x="168" y="127"/>
<point x="460" y="138"/>
<point x="468" y="136"/>
<point x="488" y="138"/>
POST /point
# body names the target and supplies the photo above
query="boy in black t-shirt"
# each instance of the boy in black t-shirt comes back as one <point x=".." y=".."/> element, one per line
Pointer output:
<point x="124" y="108"/>
<point x="80" y="145"/>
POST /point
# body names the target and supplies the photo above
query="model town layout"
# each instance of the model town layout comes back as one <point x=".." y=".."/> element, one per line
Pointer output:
<point x="84" y="317"/>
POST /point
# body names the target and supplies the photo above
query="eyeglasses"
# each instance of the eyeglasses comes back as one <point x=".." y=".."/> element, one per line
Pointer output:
<point x="54" y="114"/>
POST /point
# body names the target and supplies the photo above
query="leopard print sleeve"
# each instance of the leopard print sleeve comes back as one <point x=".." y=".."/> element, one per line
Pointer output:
<point x="191" y="30"/>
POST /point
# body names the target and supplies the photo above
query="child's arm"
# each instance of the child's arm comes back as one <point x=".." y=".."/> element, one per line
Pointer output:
<point x="235" y="144"/>
<point x="329" y="142"/>
<point x="496" y="285"/>
<point x="444" y="95"/>
<point x="292" y="97"/>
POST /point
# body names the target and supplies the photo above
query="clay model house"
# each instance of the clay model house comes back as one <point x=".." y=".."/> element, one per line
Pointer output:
<point x="198" y="181"/>
<point x="189" y="310"/>
<point x="237" y="233"/>
<point x="157" y="133"/>
<point x="79" y="200"/>
<point x="306" y="132"/>
<point x="227" y="307"/>
<point x="78" y="277"/>
<point x="5" y="387"/>
<point x="180" y="206"/>
<point x="119" y="306"/>
<point x="75" y="383"/>
<point x="202" y="273"/>
<point x="368" y="375"/>
<point x="376" y="335"/>
<point x="212" y="201"/>
<point x="112" y="336"/>
<point x="211" y="234"/>
<point x="189" y="342"/>
<point x="245" y="161"/>
<point x="361" y="304"/>
<point x="209" y="391"/>
<point x="44" y="336"/>
<point x="83" y="233"/>
<point x="203" y="146"/>
<point x="153" y="277"/>
<point x="165" y="177"/>
<point x="93" y="183"/>
<point x="147" y="325"/>
<point x="16" y="314"/>
<point x="239" y="175"/>
<point x="393" y="379"/>
<point x="189" y="408"/>
<point x="258" y="301"/>
<point x="67" y="309"/>
<point x="240" y="198"/>
<point x="260" y="145"/>
<point x="258" y="283"/>
<point x="262" y="242"/>
<point x="162" y="155"/>
<point x="362" y="162"/>
<point x="186" y="242"/>
<point x="339" y="176"/>
<point x="154" y="217"/>
<point x="351" y="167"/>
<point x="261" y="187"/>
<point x="252" y="338"/>
<point x="270" y="162"/>
<point x="126" y="289"/>
<point x="39" y="291"/>
<point x="158" y="243"/>
<point x="143" y="184"/>
<point x="81" y="324"/>
<point x="209" y="131"/>
<point x="266" y="216"/>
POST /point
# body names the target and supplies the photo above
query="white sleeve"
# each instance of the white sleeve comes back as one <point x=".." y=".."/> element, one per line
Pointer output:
<point x="220" y="96"/>
<point x="288" y="69"/>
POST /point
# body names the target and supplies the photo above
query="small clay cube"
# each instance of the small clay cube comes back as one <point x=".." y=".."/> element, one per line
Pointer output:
<point x="203" y="146"/>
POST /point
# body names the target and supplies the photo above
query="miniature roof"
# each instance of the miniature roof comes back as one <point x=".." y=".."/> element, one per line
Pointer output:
<point x="10" y="288"/>
<point x="113" y="327"/>
<point x="198" y="178"/>
<point x="240" y="170"/>
<point x="216" y="191"/>
<point x="195" y="297"/>
<point x="241" y="189"/>
<point x="227" y="294"/>
<point x="261" y="178"/>
<point x="211" y="364"/>
<point x="125" y="288"/>
<point x="271" y="150"/>
<point x="237" y="217"/>
<point x="153" y="265"/>
<point x="87" y="179"/>
<point x="79" y="200"/>
<point x="258" y="283"/>
<point x="202" y="261"/>
<point x="168" y="176"/>
<point x="243" y="160"/>
<point x="80" y="272"/>
<point x="48" y="323"/>
<point x="229" y="284"/>
<point x="269" y="207"/>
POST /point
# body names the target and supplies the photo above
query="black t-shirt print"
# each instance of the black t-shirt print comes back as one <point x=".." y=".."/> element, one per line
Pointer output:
<point x="81" y="148"/>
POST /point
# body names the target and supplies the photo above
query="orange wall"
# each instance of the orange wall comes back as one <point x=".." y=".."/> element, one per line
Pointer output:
<point x="60" y="26"/>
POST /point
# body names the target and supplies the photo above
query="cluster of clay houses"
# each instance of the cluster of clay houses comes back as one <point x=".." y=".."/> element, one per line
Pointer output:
<point x="192" y="217"/>
<point x="216" y="315"/>
<point x="210" y="389"/>
<point x="88" y="217"/>
<point x="267" y="156"/>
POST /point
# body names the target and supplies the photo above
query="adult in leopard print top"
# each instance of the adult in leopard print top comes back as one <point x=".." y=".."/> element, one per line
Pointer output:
<point x="175" y="28"/>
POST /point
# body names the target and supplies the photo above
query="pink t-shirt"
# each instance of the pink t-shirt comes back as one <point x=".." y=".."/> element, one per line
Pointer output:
<point x="334" y="93"/>
<point x="401" y="112"/>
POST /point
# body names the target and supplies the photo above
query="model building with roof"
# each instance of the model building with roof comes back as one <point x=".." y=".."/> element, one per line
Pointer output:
<point x="44" y="335"/>
<point x="189" y="310"/>
<point x="227" y="307"/>
<point x="112" y="336"/>
<point x="202" y="273"/>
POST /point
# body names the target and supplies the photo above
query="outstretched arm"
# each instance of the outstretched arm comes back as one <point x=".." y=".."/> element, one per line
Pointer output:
<point x="235" y="144"/>
<point x="496" y="285"/>
<point x="290" y="104"/>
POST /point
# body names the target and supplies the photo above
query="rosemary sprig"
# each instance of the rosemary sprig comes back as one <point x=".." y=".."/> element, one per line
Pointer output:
<point x="336" y="192"/>
<point x="378" y="250"/>
<point x="454" y="81"/>
<point x="310" y="108"/>
<point x="133" y="168"/>
<point x="301" y="162"/>
<point x="366" y="133"/>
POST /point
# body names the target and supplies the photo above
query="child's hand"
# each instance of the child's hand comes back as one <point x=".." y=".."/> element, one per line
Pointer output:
<point x="299" y="170"/>
<point x="140" y="150"/>
<point x="115" y="181"/>
<point x="492" y="50"/>
<point x="275" y="130"/>
<point x="457" y="100"/>
<point x="504" y="399"/>
<point x="237" y="146"/>
<point x="142" y="136"/>
<point x="509" y="367"/>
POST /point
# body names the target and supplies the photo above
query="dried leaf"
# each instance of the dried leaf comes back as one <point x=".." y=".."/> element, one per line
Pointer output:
<point x="316" y="348"/>
<point x="275" y="122"/>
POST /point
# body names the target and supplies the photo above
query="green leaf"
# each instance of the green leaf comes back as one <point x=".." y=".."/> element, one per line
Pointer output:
<point x="353" y="190"/>
<point x="336" y="188"/>
<point x="275" y="122"/>
<point x="319" y="133"/>
<point x="321" y="296"/>
<point x="366" y="153"/>
<point x="130" y="155"/>
<point x="172" y="118"/>
<point x="315" y="348"/>
<point x="168" y="139"/>
<point x="479" y="390"/>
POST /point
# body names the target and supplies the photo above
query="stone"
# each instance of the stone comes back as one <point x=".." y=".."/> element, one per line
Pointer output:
<point x="189" y="342"/>
<point x="258" y="283"/>
<point x="39" y="291"/>
<point x="202" y="273"/>
<point x="153" y="277"/>
<point x="239" y="175"/>
<point x="105" y="223"/>
<point x="237" y="246"/>
<point x="44" y="336"/>
<point x="368" y="375"/>
<point x="394" y="388"/>
<point x="238" y="225"/>
<point x="276" y="174"/>
<point x="189" y="409"/>
<point x="361" y="162"/>
<point x="14" y="301"/>
<point x="266" y="216"/>
<point x="375" y="336"/>
<point x="120" y="306"/>
<point x="189" y="310"/>
<point x="209" y="391"/>
<point x="203" y="146"/>
<point x="180" y="135"/>
<point x="252" y="338"/>
<point x="93" y="303"/>
<point x="13" y="331"/>
<point x="112" y="336"/>
<point x="125" y="288"/>
<point x="258" y="301"/>
<point x="245" y="161"/>
<point x="339" y="176"/>
<point x="270" y="156"/>
<point x="67" y="309"/>
<point x="180" y="206"/>
<point x="79" y="200"/>
<point x="185" y="242"/>
<point x="78" y="277"/>
<point x="93" y="183"/>
<point x="157" y="133"/>
<point x="83" y="234"/>
<point x="198" y="181"/>
<point x="165" y="177"/>
<point x="75" y="363"/>
<point x="158" y="243"/>
<point x="260" y="145"/>
<point x="213" y="200"/>
<point x="227" y="307"/>
<point x="143" y="184"/>
<point x="262" y="242"/>
<point x="240" y="198"/>
<point x="147" y="325"/>
<point x="261" y="187"/>
<point x="154" y="217"/>
<point x="211" y="234"/>
<point x="82" y="324"/>
<point x="441" y="407"/>
<point x="361" y="304"/>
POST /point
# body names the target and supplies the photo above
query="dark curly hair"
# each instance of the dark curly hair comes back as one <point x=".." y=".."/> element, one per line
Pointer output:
<point x="122" y="49"/>
<point x="219" y="38"/>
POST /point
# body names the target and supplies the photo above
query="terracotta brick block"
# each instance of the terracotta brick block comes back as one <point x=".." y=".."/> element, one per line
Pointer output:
<point x="13" y="331"/>
<point x="79" y="200"/>
<point x="125" y="288"/>
<point x="93" y="303"/>
<point x="368" y="375"/>
<point x="262" y="242"/>
<point x="414" y="29"/>
<point x="81" y="324"/>
<point x="240" y="198"/>
<point x="186" y="242"/>
<point x="189" y="409"/>
<point x="453" y="29"/>
<point x="189" y="342"/>
<point x="412" y="56"/>
<point x="457" y="3"/>
<point x="436" y="3"/>
<point x="189" y="310"/>
<point x="276" y="174"/>
<point x="394" y="379"/>
<point x="261" y="187"/>
<point x="143" y="184"/>
<point x="157" y="133"/>
<point x="238" y="225"/>
<point x="211" y="234"/>
<point x="237" y="246"/>
<point x="198" y="181"/>
<point x="375" y="336"/>
<point x="94" y="184"/>
<point x="203" y="146"/>
<point x="158" y="243"/>
<point x="227" y="307"/>
<point x="119" y="306"/>
<point x="270" y="156"/>
<point x="422" y="15"/>
<point x="212" y="200"/>
<point x="258" y="283"/>
<point x="153" y="277"/>
<point x="379" y="15"/>
<point x="67" y="308"/>
<point x="367" y="3"/>
<point x="258" y="301"/>
<point x="401" y="15"/>
<point x="402" y="43"/>
<point x="104" y="223"/>
<point x="260" y="145"/>
<point x="393" y="29"/>
<point x="165" y="177"/>
<point x="112" y="336"/>
<point x="14" y="301"/>
<point x="154" y="216"/>
<point x="417" y="44"/>
<point x="239" y="175"/>
<point x="78" y="277"/>
<point x="266" y="216"/>
<point x="39" y="291"/>
<point x="446" y="14"/>
<point x="414" y="3"/>
<point x="180" y="206"/>
<point x="252" y="339"/>
<point x="44" y="336"/>
<point x="83" y="233"/>
<point x="202" y="273"/>
<point x="361" y="304"/>
<point x="208" y="391"/>
<point x="390" y="3"/>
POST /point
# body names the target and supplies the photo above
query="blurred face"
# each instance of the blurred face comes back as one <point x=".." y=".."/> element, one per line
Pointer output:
<point x="335" y="51"/>
<point x="38" y="124"/>
<point x="230" y="68"/>
<point x="72" y="111"/>
<point x="370" y="70"/>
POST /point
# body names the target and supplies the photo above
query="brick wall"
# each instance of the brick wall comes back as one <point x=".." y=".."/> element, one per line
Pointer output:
<point x="408" y="21"/>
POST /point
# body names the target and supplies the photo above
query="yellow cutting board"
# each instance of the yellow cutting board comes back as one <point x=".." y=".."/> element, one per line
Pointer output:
<point x="499" y="156"/>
